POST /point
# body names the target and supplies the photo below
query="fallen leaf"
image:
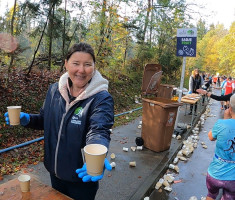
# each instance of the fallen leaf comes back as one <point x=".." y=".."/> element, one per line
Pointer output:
<point x="178" y="181"/>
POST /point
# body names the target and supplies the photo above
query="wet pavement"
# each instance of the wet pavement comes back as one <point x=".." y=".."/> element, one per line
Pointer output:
<point x="193" y="172"/>
<point x="126" y="182"/>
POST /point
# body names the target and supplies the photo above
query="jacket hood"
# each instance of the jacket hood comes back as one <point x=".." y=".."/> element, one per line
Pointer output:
<point x="96" y="85"/>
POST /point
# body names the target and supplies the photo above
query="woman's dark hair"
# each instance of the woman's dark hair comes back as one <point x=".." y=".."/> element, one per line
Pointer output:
<point x="81" y="47"/>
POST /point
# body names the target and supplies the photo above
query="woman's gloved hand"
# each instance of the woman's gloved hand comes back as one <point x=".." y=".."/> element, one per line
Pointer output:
<point x="189" y="92"/>
<point x="82" y="172"/>
<point x="24" y="118"/>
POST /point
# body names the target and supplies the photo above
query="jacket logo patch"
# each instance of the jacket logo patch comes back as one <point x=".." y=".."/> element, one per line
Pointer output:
<point x="77" y="114"/>
<point x="78" y="111"/>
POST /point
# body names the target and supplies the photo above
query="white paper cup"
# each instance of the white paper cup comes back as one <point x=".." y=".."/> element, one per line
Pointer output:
<point x="14" y="114"/>
<point x="94" y="156"/>
<point x="24" y="182"/>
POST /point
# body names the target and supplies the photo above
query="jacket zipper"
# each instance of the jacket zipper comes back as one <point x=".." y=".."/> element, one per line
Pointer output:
<point x="58" y="141"/>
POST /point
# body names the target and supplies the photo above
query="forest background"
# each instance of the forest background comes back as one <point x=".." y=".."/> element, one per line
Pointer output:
<point x="126" y="35"/>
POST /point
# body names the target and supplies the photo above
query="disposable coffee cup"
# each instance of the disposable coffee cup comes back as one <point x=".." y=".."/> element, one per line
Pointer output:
<point x="14" y="114"/>
<point x="24" y="182"/>
<point x="94" y="156"/>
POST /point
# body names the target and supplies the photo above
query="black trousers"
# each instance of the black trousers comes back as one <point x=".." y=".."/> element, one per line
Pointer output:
<point x="195" y="108"/>
<point x="75" y="190"/>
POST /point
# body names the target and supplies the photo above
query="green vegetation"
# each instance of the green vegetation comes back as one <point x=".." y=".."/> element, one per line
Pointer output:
<point x="125" y="34"/>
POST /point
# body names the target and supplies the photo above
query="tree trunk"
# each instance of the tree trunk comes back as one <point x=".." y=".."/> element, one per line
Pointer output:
<point x="102" y="26"/>
<point x="12" y="33"/>
<point x="51" y="21"/>
<point x="146" y="20"/>
<point x="36" y="50"/>
<point x="124" y="59"/>
<point x="102" y="21"/>
<point x="151" y="25"/>
<point x="63" y="56"/>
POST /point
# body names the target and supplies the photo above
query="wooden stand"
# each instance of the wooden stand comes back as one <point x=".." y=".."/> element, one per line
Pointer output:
<point x="11" y="191"/>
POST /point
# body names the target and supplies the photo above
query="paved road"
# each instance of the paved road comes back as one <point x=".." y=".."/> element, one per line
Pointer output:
<point x="193" y="172"/>
<point x="124" y="182"/>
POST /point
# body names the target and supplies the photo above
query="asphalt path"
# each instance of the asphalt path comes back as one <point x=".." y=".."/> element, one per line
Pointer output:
<point x="192" y="176"/>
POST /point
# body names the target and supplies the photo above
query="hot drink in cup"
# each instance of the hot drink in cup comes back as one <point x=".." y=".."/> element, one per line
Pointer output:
<point x="24" y="182"/>
<point x="94" y="156"/>
<point x="14" y="114"/>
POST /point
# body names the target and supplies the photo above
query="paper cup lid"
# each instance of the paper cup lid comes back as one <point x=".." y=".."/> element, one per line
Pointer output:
<point x="95" y="149"/>
<point x="13" y="107"/>
<point x="24" y="178"/>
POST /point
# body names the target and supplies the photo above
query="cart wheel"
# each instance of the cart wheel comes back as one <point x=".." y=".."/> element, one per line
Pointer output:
<point x="139" y="141"/>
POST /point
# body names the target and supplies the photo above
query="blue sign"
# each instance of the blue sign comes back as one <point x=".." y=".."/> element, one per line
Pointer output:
<point x="186" y="42"/>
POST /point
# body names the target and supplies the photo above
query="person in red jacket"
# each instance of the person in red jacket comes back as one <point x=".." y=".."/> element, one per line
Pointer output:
<point x="228" y="89"/>
<point x="233" y="85"/>
<point x="215" y="78"/>
<point x="228" y="86"/>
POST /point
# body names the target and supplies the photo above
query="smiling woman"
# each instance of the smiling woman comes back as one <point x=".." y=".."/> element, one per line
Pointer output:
<point x="80" y="66"/>
<point x="78" y="111"/>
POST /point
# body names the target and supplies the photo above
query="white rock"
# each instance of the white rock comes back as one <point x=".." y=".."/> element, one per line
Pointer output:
<point x="175" y="167"/>
<point x="193" y="198"/>
<point x="178" y="137"/>
<point x="175" y="161"/>
<point x="180" y="153"/>
<point x="139" y="147"/>
<point x="112" y="156"/>
<point x="113" y="164"/>
<point x="133" y="148"/>
<point x="125" y="149"/>
<point x="161" y="180"/>
<point x="182" y="158"/>
<point x="169" y="189"/>
<point x="186" y="153"/>
<point x="132" y="164"/>
<point x="169" y="178"/>
<point x="165" y="183"/>
<point x="158" y="185"/>
<point x="171" y="166"/>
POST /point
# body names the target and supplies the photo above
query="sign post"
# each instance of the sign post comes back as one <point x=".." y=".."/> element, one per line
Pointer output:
<point x="186" y="47"/>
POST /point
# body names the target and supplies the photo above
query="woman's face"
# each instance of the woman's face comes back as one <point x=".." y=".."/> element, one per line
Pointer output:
<point x="80" y="67"/>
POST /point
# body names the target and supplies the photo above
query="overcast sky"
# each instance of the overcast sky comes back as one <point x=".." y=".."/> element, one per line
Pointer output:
<point x="216" y="11"/>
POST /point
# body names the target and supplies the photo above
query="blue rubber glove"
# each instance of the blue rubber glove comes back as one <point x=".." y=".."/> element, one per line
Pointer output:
<point x="24" y="118"/>
<point x="82" y="173"/>
<point x="190" y="92"/>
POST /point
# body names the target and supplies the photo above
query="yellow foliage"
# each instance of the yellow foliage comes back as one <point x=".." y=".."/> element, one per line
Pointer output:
<point x="216" y="51"/>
